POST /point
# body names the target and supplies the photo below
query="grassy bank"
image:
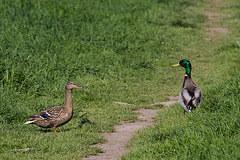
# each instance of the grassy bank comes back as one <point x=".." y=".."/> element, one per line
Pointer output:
<point x="118" y="51"/>
<point x="211" y="132"/>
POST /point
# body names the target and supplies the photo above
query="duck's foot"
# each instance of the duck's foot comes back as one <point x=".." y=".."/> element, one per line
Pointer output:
<point x="54" y="129"/>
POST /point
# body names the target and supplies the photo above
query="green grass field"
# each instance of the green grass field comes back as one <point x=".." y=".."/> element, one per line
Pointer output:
<point x="118" y="51"/>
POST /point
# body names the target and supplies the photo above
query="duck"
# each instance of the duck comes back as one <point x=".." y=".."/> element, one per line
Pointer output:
<point x="58" y="115"/>
<point x="190" y="96"/>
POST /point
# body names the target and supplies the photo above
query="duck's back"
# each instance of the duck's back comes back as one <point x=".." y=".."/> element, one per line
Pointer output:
<point x="191" y="95"/>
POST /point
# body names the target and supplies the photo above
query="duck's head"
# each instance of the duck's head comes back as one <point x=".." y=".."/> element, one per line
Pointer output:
<point x="72" y="85"/>
<point x="186" y="64"/>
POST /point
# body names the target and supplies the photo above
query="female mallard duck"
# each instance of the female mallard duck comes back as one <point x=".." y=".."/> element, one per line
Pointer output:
<point x="58" y="115"/>
<point x="190" y="96"/>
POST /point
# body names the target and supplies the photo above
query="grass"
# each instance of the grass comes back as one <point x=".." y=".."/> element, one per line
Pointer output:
<point x="209" y="133"/>
<point x="118" y="51"/>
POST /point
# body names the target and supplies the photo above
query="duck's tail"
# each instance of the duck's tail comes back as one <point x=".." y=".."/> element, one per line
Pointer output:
<point x="28" y="122"/>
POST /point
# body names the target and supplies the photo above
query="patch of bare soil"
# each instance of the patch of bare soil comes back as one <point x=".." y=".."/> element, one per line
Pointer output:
<point x="117" y="141"/>
<point x="213" y="19"/>
<point x="172" y="101"/>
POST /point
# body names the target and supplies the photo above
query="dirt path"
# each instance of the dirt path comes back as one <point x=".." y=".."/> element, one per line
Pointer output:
<point x="213" y="20"/>
<point x="117" y="141"/>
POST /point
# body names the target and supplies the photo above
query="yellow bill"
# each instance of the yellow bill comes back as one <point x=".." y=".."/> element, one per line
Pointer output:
<point x="175" y="65"/>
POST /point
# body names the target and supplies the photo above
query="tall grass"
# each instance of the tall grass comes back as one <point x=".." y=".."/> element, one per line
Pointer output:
<point x="44" y="44"/>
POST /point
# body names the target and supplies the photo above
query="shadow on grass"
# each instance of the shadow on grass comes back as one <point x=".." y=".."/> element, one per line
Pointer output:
<point x="82" y="122"/>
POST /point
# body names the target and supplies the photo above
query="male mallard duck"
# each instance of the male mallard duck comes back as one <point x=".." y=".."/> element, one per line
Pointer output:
<point x="58" y="115"/>
<point x="190" y="96"/>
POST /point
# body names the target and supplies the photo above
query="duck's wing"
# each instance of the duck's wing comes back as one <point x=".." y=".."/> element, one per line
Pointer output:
<point x="185" y="98"/>
<point x="45" y="117"/>
<point x="51" y="113"/>
<point x="190" y="98"/>
<point x="198" y="96"/>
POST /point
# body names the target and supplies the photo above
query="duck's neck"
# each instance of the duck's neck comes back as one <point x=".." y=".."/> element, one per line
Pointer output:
<point x="187" y="77"/>
<point x="187" y="81"/>
<point x="188" y="71"/>
<point x="68" y="99"/>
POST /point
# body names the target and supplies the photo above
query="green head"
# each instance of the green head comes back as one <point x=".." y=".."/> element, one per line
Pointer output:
<point x="186" y="64"/>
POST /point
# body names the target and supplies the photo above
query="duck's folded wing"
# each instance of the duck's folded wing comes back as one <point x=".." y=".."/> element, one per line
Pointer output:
<point x="184" y="98"/>
<point x="198" y="97"/>
<point x="49" y="113"/>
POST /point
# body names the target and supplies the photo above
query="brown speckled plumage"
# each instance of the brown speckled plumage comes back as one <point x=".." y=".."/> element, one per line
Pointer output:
<point x="58" y="115"/>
